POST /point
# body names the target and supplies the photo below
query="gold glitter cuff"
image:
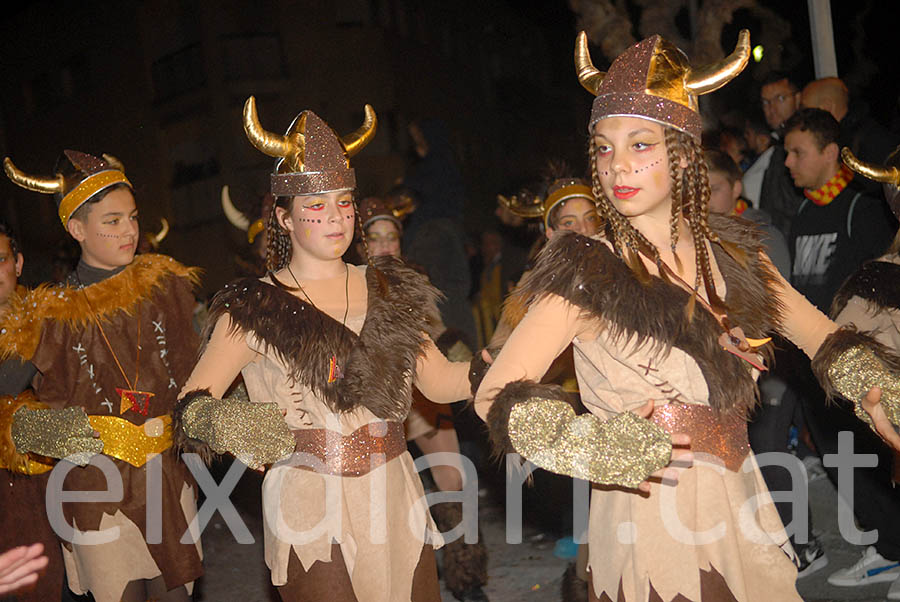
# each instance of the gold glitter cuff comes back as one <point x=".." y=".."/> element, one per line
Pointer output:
<point x="624" y="450"/>
<point x="255" y="433"/>
<point x="858" y="369"/>
<point x="53" y="433"/>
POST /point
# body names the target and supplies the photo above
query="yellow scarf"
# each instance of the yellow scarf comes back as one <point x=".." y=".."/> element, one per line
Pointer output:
<point x="833" y="187"/>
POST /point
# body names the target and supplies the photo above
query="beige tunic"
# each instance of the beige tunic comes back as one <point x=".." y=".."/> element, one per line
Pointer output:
<point x="380" y="519"/>
<point x="714" y="517"/>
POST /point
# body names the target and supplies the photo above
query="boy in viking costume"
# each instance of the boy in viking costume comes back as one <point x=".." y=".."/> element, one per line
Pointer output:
<point x="112" y="346"/>
<point x="667" y="308"/>
<point x="329" y="353"/>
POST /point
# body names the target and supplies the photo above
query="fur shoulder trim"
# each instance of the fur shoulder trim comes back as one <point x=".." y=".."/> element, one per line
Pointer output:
<point x="585" y="272"/>
<point x="877" y="282"/>
<point x="300" y="336"/>
<point x="20" y="327"/>
<point x="402" y="309"/>
<point x="377" y="364"/>
<point x="10" y="459"/>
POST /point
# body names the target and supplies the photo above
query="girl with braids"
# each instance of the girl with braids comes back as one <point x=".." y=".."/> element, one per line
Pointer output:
<point x="668" y="309"/>
<point x="329" y="353"/>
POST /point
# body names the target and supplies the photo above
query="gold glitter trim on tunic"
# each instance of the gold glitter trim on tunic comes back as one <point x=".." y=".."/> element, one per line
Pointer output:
<point x="857" y="370"/>
<point x="255" y="433"/>
<point x="133" y="443"/>
<point x="623" y="450"/>
<point x="721" y="438"/>
<point x="353" y="455"/>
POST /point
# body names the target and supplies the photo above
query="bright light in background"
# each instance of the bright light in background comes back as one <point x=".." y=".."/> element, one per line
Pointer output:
<point x="758" y="53"/>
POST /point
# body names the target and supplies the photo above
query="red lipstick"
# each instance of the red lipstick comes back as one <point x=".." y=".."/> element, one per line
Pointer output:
<point x="625" y="192"/>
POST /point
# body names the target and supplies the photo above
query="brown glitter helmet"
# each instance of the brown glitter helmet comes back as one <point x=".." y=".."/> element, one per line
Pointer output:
<point x="654" y="80"/>
<point x="888" y="175"/>
<point x="534" y="206"/>
<point x="395" y="206"/>
<point x="91" y="176"/>
<point x="312" y="158"/>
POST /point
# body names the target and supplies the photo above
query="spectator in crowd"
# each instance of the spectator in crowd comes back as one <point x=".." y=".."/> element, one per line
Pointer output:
<point x="761" y="144"/>
<point x="865" y="137"/>
<point x="434" y="237"/>
<point x="780" y="98"/>
<point x="837" y="228"/>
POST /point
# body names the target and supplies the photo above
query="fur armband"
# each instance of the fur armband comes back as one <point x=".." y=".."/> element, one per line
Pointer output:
<point x="849" y="363"/>
<point x="184" y="418"/>
<point x="537" y="422"/>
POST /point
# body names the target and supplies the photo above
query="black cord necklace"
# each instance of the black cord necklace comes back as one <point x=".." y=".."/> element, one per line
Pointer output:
<point x="334" y="369"/>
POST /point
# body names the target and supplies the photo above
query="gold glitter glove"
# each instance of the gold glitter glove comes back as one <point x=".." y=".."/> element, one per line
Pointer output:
<point x="55" y="433"/>
<point x="624" y="450"/>
<point x="537" y="422"/>
<point x="255" y="433"/>
<point x="849" y="363"/>
<point x="856" y="371"/>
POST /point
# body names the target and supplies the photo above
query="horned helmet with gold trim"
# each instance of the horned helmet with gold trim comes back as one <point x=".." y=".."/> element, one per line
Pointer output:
<point x="394" y="207"/>
<point x="888" y="175"/>
<point x="73" y="188"/>
<point x="531" y="206"/>
<point x="654" y="80"/>
<point x="311" y="157"/>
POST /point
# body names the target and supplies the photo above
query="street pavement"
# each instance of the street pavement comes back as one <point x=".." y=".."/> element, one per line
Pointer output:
<point x="527" y="571"/>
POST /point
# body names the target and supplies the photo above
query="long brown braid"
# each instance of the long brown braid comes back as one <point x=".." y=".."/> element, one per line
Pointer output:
<point x="278" y="241"/>
<point x="690" y="200"/>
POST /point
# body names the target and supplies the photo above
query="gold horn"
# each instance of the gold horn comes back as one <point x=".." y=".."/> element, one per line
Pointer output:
<point x="114" y="162"/>
<point x="589" y="76"/>
<point x="161" y="235"/>
<point x="271" y="144"/>
<point x="35" y="183"/>
<point x="356" y="141"/>
<point x="712" y="77"/>
<point x="234" y="215"/>
<point x="529" y="211"/>
<point x="879" y="173"/>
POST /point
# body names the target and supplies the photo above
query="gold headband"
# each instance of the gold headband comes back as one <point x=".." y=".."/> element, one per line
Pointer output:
<point x="88" y="188"/>
<point x="564" y="194"/>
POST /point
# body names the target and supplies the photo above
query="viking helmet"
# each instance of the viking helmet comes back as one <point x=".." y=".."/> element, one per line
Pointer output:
<point x="560" y="190"/>
<point x="241" y="221"/>
<point x="888" y="175"/>
<point x="312" y="158"/>
<point x="156" y="239"/>
<point x="92" y="176"/>
<point x="654" y="80"/>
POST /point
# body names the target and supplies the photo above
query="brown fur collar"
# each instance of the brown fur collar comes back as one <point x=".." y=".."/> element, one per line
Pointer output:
<point x="20" y="327"/>
<point x="877" y="282"/>
<point x="377" y="364"/>
<point x="589" y="275"/>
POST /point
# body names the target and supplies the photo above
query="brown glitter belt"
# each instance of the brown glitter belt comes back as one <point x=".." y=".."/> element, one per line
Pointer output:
<point x="723" y="436"/>
<point x="353" y="455"/>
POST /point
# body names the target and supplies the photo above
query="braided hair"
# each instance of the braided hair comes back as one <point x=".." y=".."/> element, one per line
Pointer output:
<point x="278" y="240"/>
<point x="690" y="201"/>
